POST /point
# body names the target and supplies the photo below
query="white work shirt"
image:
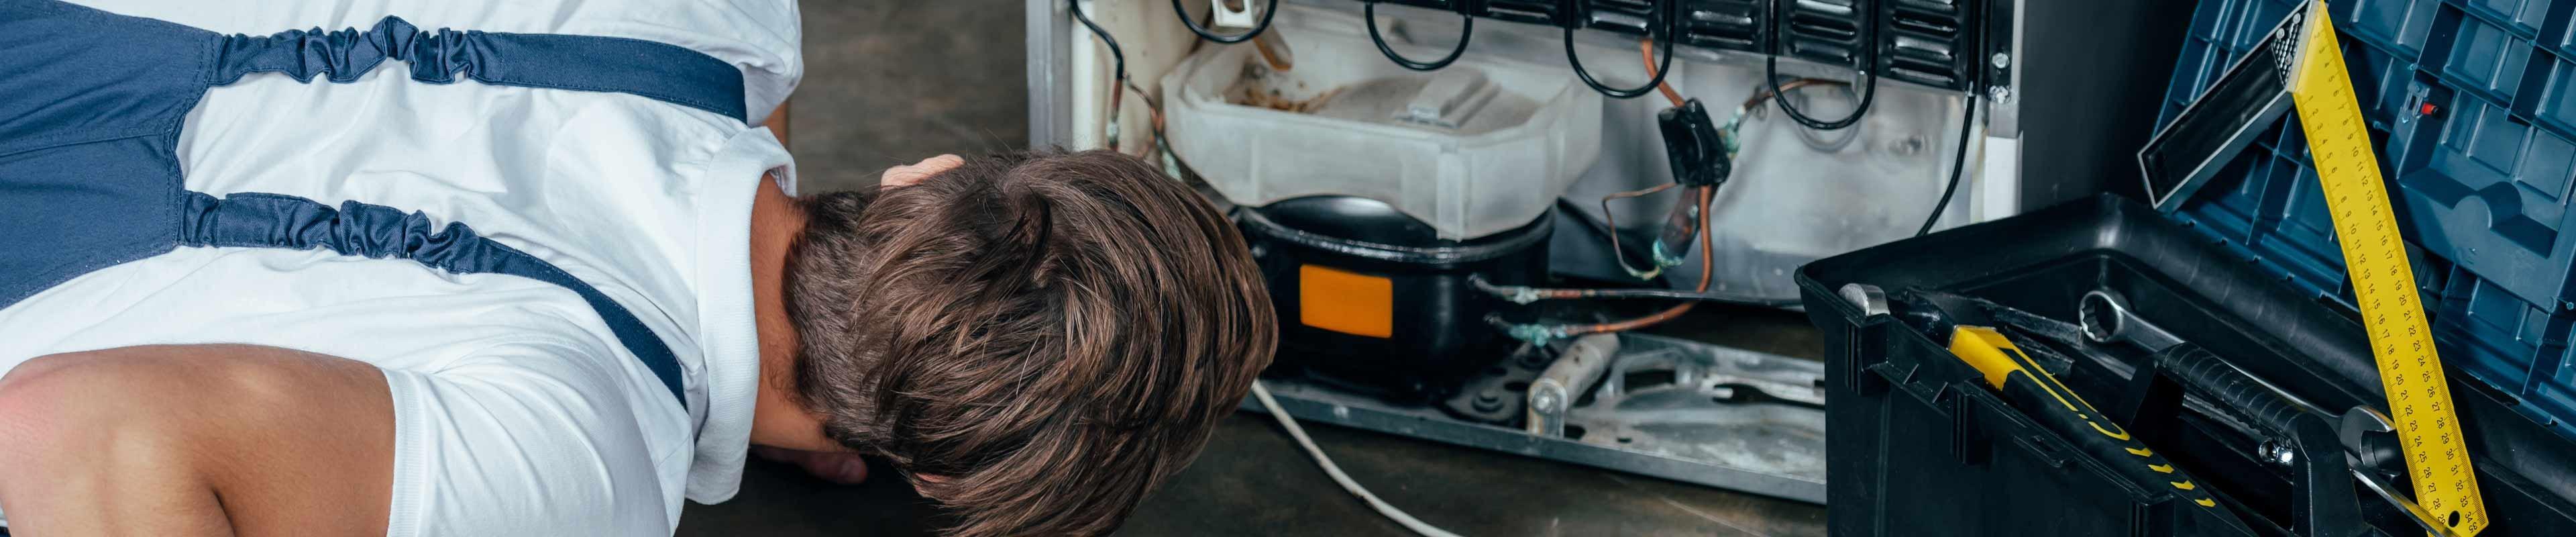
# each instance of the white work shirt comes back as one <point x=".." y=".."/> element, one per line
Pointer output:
<point x="516" y="410"/>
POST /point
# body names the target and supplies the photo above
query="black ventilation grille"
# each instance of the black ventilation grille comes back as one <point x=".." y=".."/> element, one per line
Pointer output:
<point x="1724" y="24"/>
<point x="1928" y="42"/>
<point x="1825" y="31"/>
<point x="1636" y="17"/>
<point x="1728" y="24"/>
<point x="1444" y="5"/>
<point x="1547" y="12"/>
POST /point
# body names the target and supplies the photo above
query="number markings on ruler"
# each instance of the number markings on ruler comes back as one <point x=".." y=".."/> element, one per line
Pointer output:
<point x="2339" y="145"/>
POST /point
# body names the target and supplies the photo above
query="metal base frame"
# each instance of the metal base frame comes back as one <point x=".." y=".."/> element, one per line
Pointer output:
<point x="1669" y="408"/>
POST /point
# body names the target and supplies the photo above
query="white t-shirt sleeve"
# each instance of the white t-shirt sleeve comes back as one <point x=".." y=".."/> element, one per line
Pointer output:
<point x="525" y="438"/>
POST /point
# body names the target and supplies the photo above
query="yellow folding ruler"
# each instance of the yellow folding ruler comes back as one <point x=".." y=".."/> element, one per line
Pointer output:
<point x="2300" y="63"/>
<point x="2383" y="284"/>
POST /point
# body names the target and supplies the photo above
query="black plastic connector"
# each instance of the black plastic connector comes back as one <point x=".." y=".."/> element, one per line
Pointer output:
<point x="1693" y="144"/>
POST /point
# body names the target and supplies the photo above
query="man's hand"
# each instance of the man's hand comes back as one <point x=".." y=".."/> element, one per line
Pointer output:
<point x="906" y="175"/>
<point x="195" y="440"/>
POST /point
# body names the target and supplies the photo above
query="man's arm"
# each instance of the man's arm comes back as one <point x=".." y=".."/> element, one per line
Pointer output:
<point x="195" y="440"/>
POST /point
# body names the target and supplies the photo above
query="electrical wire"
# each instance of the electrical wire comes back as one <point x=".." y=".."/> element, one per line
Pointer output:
<point x="1597" y="226"/>
<point x="1645" y="50"/>
<point x="1654" y="267"/>
<point x="1335" y="471"/>
<point x="1672" y="28"/>
<point x="1576" y="211"/>
<point x="1680" y="294"/>
<point x="1958" y="165"/>
<point x="1119" y="80"/>
<point x="1707" y="269"/>
<point x="1257" y="27"/>
<point x="1867" y="68"/>
<point x="1646" y="55"/>
<point x="1525" y="294"/>
<point x="1466" y="31"/>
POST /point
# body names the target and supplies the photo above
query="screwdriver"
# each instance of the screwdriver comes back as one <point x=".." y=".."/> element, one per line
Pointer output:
<point x="2037" y="394"/>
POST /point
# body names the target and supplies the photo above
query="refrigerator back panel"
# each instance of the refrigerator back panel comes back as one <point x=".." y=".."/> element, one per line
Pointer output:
<point x="1796" y="195"/>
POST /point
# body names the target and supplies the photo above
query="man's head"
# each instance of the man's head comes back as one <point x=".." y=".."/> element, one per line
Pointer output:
<point x="1036" y="339"/>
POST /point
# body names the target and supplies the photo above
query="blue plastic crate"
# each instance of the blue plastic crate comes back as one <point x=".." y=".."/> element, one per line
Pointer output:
<point x="2473" y="103"/>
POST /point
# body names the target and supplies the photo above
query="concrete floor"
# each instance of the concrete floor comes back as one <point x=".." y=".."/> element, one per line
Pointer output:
<point x="891" y="82"/>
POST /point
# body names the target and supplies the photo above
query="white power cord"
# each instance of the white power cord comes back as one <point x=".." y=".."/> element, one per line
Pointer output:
<point x="1330" y="469"/>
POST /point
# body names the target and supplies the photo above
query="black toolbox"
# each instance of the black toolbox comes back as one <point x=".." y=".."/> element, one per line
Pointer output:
<point x="1919" y="447"/>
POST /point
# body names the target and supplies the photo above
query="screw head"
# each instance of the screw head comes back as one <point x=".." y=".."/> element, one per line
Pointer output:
<point x="2277" y="453"/>
<point x="2000" y="94"/>
<point x="2001" y="60"/>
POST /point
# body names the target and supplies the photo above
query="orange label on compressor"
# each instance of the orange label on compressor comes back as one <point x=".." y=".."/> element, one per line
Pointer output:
<point x="1346" y="302"/>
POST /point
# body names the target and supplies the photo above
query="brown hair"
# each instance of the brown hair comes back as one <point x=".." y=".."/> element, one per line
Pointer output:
<point x="1051" y="334"/>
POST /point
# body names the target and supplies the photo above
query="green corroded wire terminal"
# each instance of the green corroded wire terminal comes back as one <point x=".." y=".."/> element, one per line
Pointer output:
<point x="1535" y="334"/>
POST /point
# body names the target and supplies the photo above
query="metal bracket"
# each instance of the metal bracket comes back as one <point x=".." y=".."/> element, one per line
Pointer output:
<point x="2325" y="506"/>
<point x="2246" y="101"/>
<point x="1240" y="14"/>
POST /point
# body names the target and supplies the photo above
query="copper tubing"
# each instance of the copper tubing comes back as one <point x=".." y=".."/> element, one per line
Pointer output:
<point x="1647" y="47"/>
<point x="1153" y="112"/>
<point x="1765" y="95"/>
<point x="1274" y="51"/>
<point x="1557" y="294"/>
<point x="1707" y="268"/>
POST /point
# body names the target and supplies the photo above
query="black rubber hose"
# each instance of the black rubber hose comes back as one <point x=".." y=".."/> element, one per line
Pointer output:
<point x="1118" y="57"/>
<point x="1868" y="93"/>
<point x="1257" y="27"/>
<point x="1466" y="31"/>
<point x="1868" y="70"/>
<point x="1958" y="167"/>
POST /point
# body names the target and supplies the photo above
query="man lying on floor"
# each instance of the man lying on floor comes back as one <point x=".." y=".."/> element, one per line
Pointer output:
<point x="542" y="278"/>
